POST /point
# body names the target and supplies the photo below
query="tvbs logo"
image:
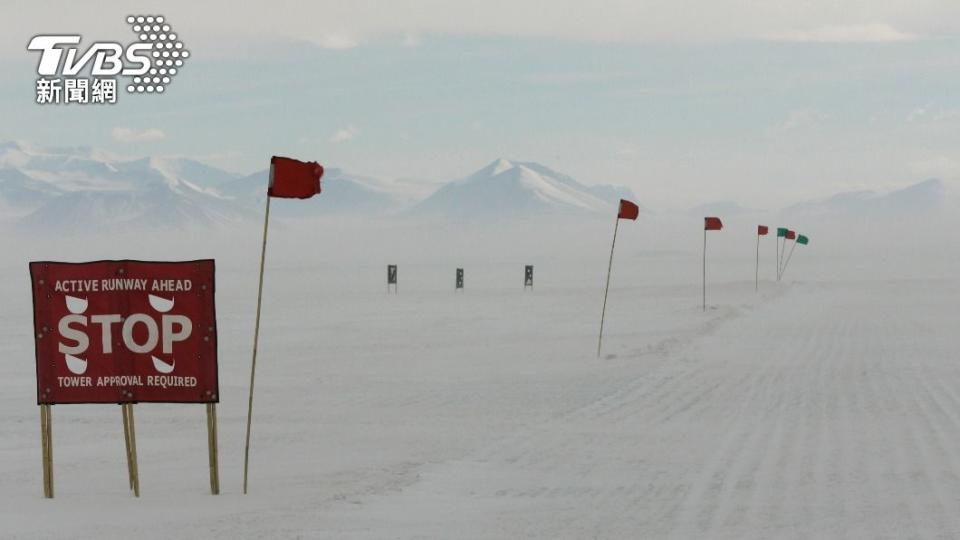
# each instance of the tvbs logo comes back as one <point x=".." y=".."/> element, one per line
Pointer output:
<point x="108" y="58"/>
<point x="151" y="62"/>
<point x="138" y="333"/>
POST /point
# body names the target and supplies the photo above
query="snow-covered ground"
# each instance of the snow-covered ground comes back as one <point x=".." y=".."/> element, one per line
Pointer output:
<point x="823" y="407"/>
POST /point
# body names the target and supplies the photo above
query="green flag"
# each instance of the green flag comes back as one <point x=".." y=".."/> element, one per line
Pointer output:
<point x="803" y="240"/>
<point x="781" y="232"/>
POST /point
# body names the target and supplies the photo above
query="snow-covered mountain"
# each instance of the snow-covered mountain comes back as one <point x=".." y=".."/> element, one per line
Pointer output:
<point x="21" y="194"/>
<point x="62" y="188"/>
<point x="923" y="198"/>
<point x="342" y="192"/>
<point x="81" y="187"/>
<point x="508" y="188"/>
<point x="719" y="208"/>
<point x="199" y="175"/>
<point x="154" y="206"/>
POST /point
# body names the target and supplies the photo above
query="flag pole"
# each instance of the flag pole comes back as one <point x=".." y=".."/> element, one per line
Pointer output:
<point x="776" y="247"/>
<point x="781" y="248"/>
<point x="603" y="312"/>
<point x="757" y="277"/>
<point x="778" y="256"/>
<point x="788" y="258"/>
<point x="704" y="268"/>
<point x="256" y="340"/>
<point x="783" y="258"/>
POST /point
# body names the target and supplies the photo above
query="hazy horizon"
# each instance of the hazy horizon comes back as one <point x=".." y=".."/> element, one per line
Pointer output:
<point x="762" y="105"/>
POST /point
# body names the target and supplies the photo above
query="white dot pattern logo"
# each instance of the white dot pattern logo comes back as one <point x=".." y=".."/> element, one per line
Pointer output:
<point x="155" y="31"/>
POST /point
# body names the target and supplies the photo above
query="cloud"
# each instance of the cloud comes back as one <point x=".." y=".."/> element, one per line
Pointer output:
<point x="337" y="24"/>
<point x="931" y="114"/>
<point x="575" y="77"/>
<point x="411" y="39"/>
<point x="130" y="135"/>
<point x="336" y="41"/>
<point x="802" y="118"/>
<point x="918" y="114"/>
<point x="345" y="134"/>
<point x="939" y="166"/>
<point x="625" y="150"/>
<point x="858" y="33"/>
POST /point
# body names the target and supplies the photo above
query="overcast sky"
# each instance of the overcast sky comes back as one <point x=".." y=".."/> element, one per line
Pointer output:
<point x="764" y="102"/>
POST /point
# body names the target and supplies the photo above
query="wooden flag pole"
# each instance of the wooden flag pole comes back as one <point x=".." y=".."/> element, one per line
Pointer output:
<point x="212" y="448"/>
<point x="133" y="450"/>
<point x="788" y="259"/>
<point x="126" y="443"/>
<point x="778" y="256"/>
<point x="46" y="449"/>
<point x="606" y="289"/>
<point x="776" y="246"/>
<point x="757" y="277"/>
<point x="256" y="341"/>
<point x="704" y="268"/>
<point x="783" y="258"/>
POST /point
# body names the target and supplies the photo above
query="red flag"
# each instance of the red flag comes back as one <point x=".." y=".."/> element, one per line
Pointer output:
<point x="628" y="210"/>
<point x="712" y="224"/>
<point x="293" y="179"/>
<point x="791" y="235"/>
<point x="762" y="230"/>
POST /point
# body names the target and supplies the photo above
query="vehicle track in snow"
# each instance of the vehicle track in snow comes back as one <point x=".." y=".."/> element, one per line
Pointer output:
<point x="829" y="412"/>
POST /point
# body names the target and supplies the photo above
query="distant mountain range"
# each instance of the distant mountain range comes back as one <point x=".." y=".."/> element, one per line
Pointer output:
<point x="922" y="198"/>
<point x="720" y="208"/>
<point x="507" y="188"/>
<point x="62" y="188"/>
<point x="342" y="192"/>
<point x="59" y="188"/>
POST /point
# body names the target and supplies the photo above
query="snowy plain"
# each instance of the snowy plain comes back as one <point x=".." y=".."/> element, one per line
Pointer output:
<point x="824" y="406"/>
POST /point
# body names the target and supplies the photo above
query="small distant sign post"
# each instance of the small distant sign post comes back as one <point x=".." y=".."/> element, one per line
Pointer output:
<point x="392" y="278"/>
<point x="125" y="332"/>
<point x="528" y="276"/>
<point x="459" y="286"/>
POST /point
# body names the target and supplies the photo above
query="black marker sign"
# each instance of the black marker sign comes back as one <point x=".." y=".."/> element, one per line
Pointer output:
<point x="392" y="277"/>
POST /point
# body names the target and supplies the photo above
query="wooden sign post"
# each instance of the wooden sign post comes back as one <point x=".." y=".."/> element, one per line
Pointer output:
<point x="46" y="449"/>
<point x="125" y="332"/>
<point x="212" y="448"/>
